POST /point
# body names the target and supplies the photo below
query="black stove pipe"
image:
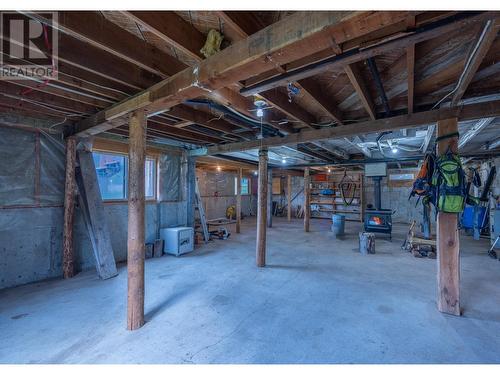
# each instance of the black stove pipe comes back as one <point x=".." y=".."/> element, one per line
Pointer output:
<point x="377" y="192"/>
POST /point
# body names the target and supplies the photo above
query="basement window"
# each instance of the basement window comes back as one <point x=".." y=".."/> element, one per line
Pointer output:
<point x="112" y="176"/>
<point x="245" y="185"/>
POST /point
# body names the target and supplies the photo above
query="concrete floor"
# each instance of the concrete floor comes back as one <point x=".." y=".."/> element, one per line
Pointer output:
<point x="317" y="301"/>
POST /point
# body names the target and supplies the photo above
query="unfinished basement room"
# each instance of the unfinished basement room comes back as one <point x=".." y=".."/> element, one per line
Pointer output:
<point x="249" y="187"/>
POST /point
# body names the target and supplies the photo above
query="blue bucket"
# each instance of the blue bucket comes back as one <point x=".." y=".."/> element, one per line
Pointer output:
<point x="338" y="225"/>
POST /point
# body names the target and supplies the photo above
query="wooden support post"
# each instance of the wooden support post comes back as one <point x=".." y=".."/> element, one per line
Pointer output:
<point x="448" y="245"/>
<point x="136" y="208"/>
<point x="289" y="197"/>
<point x="191" y="190"/>
<point x="269" y="218"/>
<point x="262" y="209"/>
<point x="238" y="200"/>
<point x="307" y="200"/>
<point x="69" y="208"/>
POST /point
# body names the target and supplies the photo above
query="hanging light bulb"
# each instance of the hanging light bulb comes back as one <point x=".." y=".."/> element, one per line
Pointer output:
<point x="283" y="160"/>
<point x="329" y="170"/>
<point x="255" y="173"/>
<point x="260" y="112"/>
<point x="394" y="150"/>
<point x="219" y="168"/>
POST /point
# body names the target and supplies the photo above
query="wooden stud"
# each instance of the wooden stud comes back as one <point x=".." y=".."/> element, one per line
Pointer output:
<point x="69" y="208"/>
<point x="136" y="209"/>
<point x="269" y="216"/>
<point x="448" y="245"/>
<point x="238" y="200"/>
<point x="307" y="199"/>
<point x="262" y="209"/>
<point x="289" y="197"/>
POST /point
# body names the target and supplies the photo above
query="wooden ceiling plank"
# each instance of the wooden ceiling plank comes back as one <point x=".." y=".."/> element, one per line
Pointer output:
<point x="309" y="87"/>
<point x="96" y="30"/>
<point x="486" y="39"/>
<point x="175" y="31"/>
<point x="410" y="64"/>
<point x="290" y="39"/>
<point x="361" y="89"/>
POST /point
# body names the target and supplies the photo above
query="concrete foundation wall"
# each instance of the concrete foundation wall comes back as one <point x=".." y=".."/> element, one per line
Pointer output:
<point x="31" y="237"/>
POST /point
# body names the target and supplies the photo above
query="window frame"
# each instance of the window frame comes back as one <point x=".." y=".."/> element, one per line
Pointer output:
<point x="148" y="199"/>
<point x="248" y="185"/>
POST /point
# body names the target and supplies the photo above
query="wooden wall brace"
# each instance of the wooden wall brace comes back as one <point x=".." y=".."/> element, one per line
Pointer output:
<point x="94" y="216"/>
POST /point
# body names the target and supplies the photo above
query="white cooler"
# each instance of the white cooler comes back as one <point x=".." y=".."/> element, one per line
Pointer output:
<point x="178" y="240"/>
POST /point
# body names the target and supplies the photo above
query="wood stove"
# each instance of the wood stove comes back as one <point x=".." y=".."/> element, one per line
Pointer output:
<point x="378" y="220"/>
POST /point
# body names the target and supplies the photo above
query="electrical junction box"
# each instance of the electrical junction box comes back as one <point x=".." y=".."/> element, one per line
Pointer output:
<point x="178" y="240"/>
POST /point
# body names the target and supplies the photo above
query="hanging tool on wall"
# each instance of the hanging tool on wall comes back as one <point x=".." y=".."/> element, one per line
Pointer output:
<point x="347" y="189"/>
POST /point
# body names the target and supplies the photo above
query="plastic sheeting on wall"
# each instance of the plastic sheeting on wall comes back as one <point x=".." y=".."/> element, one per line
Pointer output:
<point x="31" y="168"/>
<point x="169" y="178"/>
<point x="216" y="184"/>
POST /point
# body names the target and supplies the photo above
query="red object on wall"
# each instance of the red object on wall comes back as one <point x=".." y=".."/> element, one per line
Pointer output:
<point x="320" y="177"/>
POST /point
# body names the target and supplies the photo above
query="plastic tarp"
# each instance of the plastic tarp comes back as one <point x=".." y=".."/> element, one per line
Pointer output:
<point x="31" y="168"/>
<point x="169" y="178"/>
<point x="216" y="184"/>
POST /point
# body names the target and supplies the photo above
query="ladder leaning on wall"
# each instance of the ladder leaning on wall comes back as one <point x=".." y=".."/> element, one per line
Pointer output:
<point x="198" y="206"/>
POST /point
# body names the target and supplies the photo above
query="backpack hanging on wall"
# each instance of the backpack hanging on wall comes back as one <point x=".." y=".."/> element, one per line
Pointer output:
<point x="450" y="183"/>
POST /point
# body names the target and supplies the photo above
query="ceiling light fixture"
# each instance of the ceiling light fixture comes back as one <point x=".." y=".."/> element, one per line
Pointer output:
<point x="394" y="150"/>
<point x="219" y="168"/>
<point x="283" y="160"/>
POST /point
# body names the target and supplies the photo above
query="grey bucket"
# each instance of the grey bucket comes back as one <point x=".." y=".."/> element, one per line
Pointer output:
<point x="338" y="224"/>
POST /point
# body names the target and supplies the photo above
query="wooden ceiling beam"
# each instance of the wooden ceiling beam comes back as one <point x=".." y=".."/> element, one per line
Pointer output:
<point x="175" y="31"/>
<point x="292" y="38"/>
<point x="486" y="39"/>
<point x="307" y="86"/>
<point x="410" y="66"/>
<point x="359" y="84"/>
<point x="466" y="112"/>
<point x="94" y="29"/>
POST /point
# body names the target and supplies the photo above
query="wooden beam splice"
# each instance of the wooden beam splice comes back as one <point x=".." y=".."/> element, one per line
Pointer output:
<point x="486" y="39"/>
<point x="306" y="32"/>
<point x="466" y="112"/>
<point x="359" y="85"/>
